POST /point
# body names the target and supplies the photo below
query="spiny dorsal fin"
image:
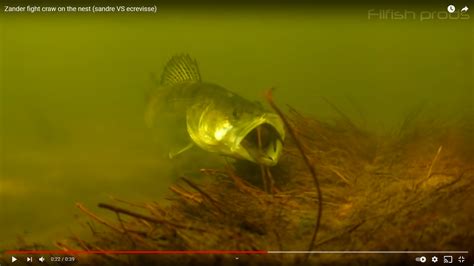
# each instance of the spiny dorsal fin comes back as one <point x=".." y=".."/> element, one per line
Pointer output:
<point x="180" y="68"/>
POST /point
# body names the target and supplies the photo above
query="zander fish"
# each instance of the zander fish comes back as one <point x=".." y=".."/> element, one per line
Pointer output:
<point x="216" y="119"/>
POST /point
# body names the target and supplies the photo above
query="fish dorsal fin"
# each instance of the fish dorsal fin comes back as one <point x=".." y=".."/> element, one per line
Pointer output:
<point x="179" y="69"/>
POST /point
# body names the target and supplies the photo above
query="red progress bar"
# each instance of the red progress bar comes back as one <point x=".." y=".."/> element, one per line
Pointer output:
<point x="86" y="252"/>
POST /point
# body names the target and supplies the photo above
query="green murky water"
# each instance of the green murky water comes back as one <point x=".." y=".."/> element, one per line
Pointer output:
<point x="72" y="91"/>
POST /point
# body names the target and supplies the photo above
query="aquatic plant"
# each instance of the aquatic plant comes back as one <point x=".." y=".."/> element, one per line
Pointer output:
<point x="409" y="190"/>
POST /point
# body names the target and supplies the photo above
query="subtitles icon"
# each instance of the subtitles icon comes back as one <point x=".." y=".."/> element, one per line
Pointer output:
<point x="448" y="259"/>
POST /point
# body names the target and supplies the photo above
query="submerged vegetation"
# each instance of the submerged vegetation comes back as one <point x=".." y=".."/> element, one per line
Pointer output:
<point x="411" y="190"/>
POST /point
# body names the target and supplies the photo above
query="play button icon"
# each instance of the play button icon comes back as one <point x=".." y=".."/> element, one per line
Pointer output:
<point x="14" y="259"/>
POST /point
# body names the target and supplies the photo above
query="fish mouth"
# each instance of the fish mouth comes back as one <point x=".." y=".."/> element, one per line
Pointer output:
<point x="262" y="140"/>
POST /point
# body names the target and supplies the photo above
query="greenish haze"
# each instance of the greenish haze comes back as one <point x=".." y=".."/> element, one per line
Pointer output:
<point x="73" y="92"/>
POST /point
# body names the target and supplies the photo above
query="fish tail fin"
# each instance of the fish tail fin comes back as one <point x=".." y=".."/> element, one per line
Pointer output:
<point x="152" y="93"/>
<point x="180" y="68"/>
<point x="150" y="112"/>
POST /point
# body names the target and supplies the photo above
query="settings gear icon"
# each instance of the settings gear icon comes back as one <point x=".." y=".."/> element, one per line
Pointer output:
<point x="434" y="259"/>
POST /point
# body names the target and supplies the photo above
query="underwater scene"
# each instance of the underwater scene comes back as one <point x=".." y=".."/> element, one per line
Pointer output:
<point x="236" y="128"/>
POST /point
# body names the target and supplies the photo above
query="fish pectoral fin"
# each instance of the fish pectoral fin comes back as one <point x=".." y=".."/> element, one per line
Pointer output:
<point x="173" y="153"/>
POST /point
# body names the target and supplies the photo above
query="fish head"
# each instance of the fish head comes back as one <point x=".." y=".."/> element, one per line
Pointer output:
<point x="242" y="132"/>
<point x="258" y="139"/>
